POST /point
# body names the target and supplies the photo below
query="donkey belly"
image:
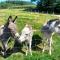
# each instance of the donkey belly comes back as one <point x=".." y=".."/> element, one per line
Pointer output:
<point x="4" y="37"/>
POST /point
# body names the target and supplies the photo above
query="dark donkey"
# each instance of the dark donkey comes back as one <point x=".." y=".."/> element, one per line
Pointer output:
<point x="5" y="34"/>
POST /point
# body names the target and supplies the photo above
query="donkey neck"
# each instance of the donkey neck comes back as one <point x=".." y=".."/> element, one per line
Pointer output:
<point x="15" y="34"/>
<point x="4" y="32"/>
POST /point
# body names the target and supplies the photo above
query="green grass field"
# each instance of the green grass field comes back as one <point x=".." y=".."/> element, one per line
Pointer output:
<point x="36" y="20"/>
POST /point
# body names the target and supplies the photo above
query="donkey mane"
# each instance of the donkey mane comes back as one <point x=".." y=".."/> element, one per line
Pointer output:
<point x="57" y="23"/>
<point x="52" y="20"/>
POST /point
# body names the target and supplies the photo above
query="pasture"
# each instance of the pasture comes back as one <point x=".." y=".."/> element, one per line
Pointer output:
<point x="36" y="20"/>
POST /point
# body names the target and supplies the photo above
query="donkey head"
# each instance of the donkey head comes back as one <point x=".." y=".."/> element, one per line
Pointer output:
<point x="57" y="27"/>
<point x="12" y="26"/>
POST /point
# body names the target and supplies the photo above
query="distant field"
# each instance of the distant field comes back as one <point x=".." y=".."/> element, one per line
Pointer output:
<point x="36" y="20"/>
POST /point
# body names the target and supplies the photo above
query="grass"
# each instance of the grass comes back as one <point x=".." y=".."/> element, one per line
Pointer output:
<point x="36" y="20"/>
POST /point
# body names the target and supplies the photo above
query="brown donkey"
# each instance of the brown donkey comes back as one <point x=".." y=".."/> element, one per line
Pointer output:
<point x="5" y="33"/>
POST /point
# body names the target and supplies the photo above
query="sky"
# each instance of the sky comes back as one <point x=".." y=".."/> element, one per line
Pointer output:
<point x="2" y="0"/>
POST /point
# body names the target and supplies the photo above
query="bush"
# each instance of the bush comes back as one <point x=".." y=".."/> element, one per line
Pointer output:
<point x="49" y="7"/>
<point x="57" y="8"/>
<point x="3" y="5"/>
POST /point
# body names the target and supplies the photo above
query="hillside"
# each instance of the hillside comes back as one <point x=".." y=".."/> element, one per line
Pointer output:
<point x="14" y="4"/>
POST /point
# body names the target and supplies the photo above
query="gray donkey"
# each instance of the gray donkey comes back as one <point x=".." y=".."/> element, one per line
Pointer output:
<point x="26" y="35"/>
<point x="5" y="34"/>
<point x="48" y="30"/>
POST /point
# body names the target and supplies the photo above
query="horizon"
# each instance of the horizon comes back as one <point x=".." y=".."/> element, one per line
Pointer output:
<point x="34" y="2"/>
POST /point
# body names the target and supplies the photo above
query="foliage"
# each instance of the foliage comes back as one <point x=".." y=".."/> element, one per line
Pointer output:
<point x="57" y="7"/>
<point x="13" y="4"/>
<point x="48" y="5"/>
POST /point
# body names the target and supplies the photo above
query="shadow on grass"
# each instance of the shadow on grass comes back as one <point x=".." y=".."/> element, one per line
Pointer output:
<point x="17" y="48"/>
<point x="36" y="40"/>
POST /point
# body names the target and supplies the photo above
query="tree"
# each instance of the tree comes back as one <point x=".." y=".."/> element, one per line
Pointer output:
<point x="45" y="4"/>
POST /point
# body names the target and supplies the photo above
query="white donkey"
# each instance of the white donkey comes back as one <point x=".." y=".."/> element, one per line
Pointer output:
<point x="51" y="27"/>
<point x="26" y="35"/>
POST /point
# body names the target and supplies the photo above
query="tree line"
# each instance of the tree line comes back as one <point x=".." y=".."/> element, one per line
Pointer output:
<point x="41" y="5"/>
<point x="48" y="5"/>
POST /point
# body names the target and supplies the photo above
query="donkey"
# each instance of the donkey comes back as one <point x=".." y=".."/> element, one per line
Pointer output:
<point x="48" y="30"/>
<point x="26" y="35"/>
<point x="5" y="34"/>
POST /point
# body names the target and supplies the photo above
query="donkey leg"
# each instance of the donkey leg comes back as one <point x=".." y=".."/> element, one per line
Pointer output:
<point x="43" y="47"/>
<point x="4" y="48"/>
<point x="26" y="48"/>
<point x="49" y="45"/>
<point x="43" y="42"/>
<point x="30" y="43"/>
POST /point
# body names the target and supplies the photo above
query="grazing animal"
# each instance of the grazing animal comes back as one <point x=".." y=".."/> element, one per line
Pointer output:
<point x="26" y="35"/>
<point x="5" y="35"/>
<point x="48" y="30"/>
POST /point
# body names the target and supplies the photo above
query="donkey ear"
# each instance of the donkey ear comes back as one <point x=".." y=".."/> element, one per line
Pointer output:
<point x="10" y="18"/>
<point x="15" y="19"/>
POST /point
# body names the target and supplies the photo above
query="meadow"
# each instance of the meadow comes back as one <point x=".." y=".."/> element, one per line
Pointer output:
<point x="36" y="20"/>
